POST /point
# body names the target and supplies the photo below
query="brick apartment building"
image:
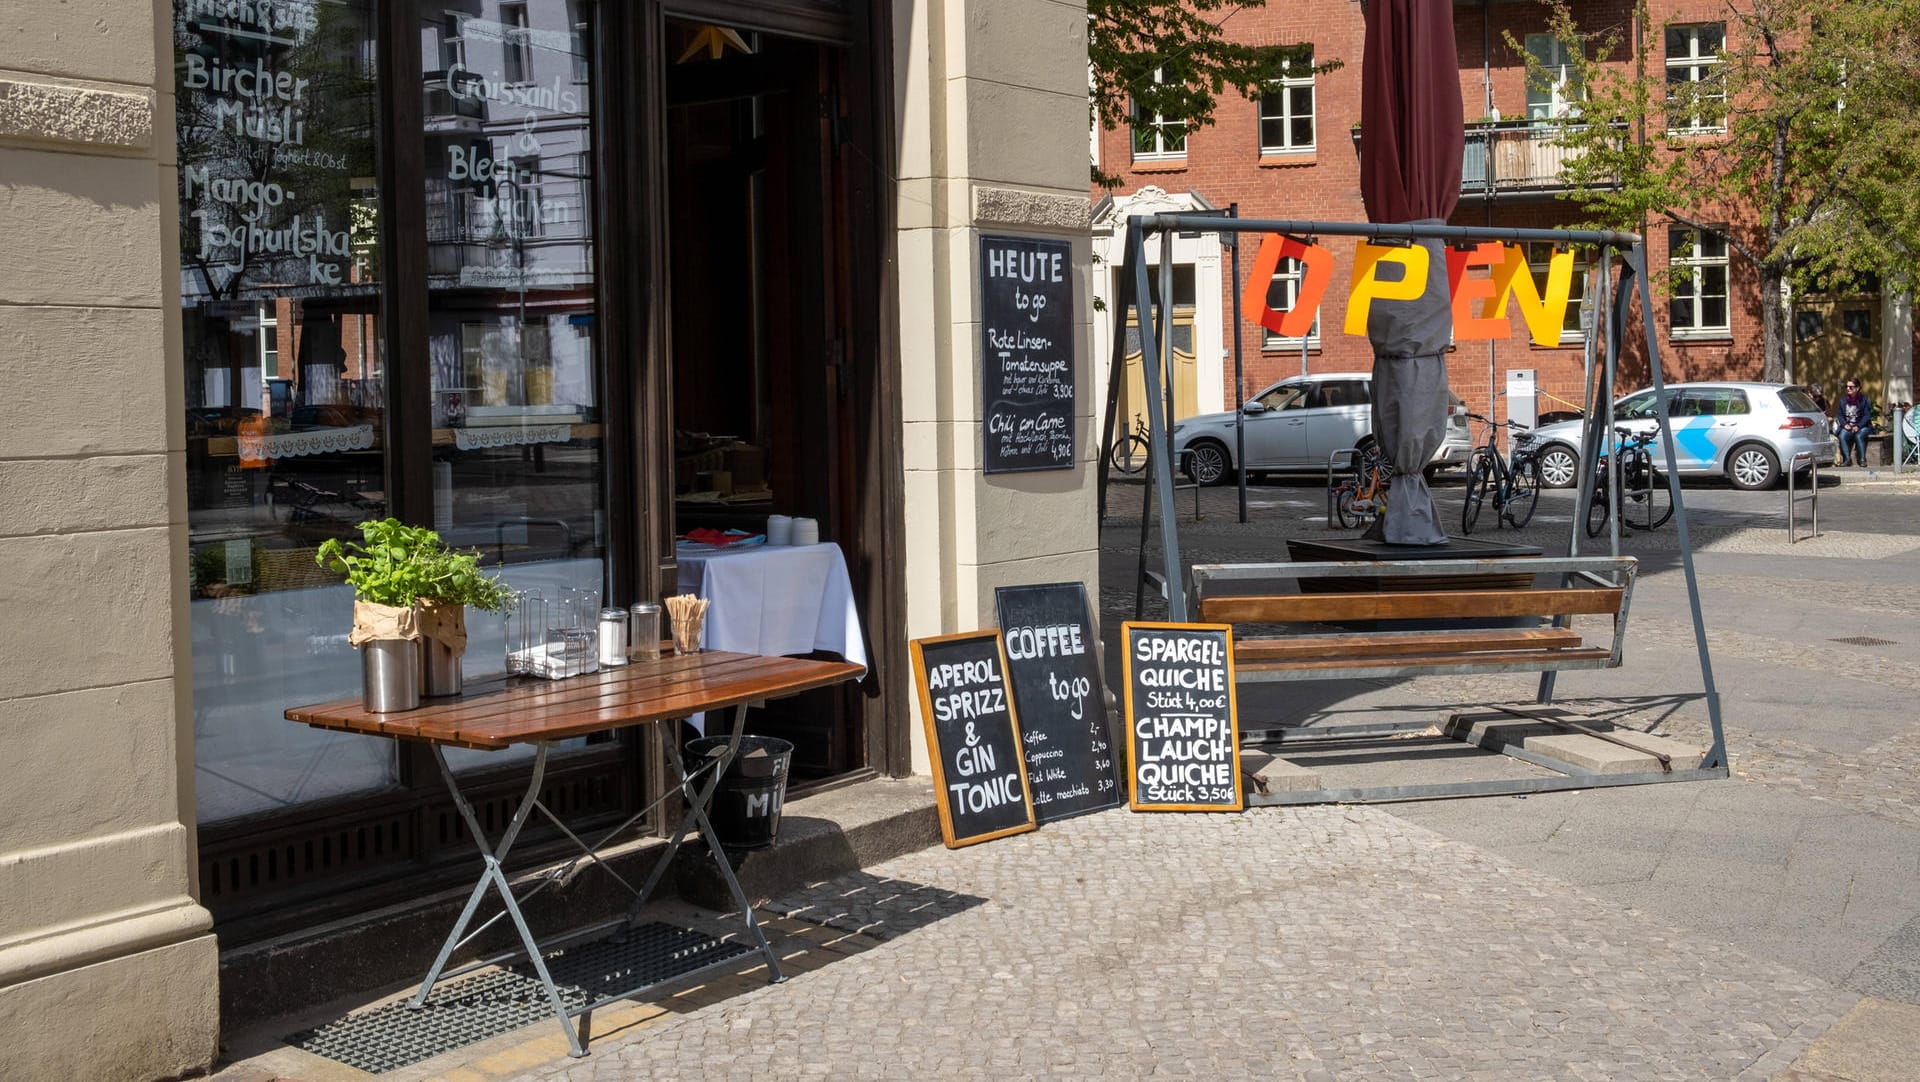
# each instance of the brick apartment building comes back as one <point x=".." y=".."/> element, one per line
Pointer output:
<point x="1293" y="154"/>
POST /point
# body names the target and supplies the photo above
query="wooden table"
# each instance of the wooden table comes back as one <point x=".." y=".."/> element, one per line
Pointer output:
<point x="501" y="712"/>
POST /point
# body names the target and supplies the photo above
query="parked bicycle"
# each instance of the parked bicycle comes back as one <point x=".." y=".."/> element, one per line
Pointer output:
<point x="1645" y="501"/>
<point x="1129" y="452"/>
<point x="1360" y="499"/>
<point x="1514" y="486"/>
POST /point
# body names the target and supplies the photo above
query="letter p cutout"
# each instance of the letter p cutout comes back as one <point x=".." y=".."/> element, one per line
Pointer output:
<point x="1367" y="286"/>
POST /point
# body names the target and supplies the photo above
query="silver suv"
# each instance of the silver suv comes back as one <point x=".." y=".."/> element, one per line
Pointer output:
<point x="1292" y="426"/>
<point x="1746" y="431"/>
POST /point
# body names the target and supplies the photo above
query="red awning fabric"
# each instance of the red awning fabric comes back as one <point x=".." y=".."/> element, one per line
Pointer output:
<point x="1411" y="129"/>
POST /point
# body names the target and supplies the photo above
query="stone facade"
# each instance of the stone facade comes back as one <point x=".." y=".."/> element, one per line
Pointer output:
<point x="107" y="963"/>
<point x="990" y="89"/>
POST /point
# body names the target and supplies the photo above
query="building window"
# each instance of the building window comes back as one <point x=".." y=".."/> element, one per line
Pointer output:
<point x="1553" y="89"/>
<point x="1699" y="262"/>
<point x="1282" y="294"/>
<point x="1155" y="135"/>
<point x="1286" y="108"/>
<point x="269" y="340"/>
<point x="1573" y="327"/>
<point x="516" y="55"/>
<point x="1696" y="80"/>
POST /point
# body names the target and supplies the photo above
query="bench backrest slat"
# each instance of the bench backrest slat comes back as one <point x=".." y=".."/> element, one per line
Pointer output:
<point x="1409" y="605"/>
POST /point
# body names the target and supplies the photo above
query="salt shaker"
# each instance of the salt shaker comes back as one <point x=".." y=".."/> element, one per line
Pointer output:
<point x="613" y="637"/>
<point x="646" y="632"/>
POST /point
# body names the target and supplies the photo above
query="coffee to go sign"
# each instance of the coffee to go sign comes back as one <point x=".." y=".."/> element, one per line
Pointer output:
<point x="1479" y="303"/>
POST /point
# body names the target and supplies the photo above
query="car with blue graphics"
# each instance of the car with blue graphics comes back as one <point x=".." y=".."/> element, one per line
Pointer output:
<point x="1747" y="432"/>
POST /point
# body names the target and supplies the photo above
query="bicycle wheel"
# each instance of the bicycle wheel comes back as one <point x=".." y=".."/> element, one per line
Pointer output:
<point x="1479" y="478"/>
<point x="1523" y="492"/>
<point x="1343" y="510"/>
<point x="1129" y="455"/>
<point x="1597" y="512"/>
<point x="1648" y="503"/>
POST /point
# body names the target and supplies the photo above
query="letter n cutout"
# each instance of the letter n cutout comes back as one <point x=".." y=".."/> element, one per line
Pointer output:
<point x="1514" y="279"/>
<point x="1317" y="271"/>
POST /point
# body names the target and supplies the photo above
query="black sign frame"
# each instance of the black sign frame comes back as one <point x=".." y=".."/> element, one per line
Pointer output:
<point x="939" y="749"/>
<point x="1134" y="763"/>
<point x="1027" y="357"/>
<point x="1079" y="742"/>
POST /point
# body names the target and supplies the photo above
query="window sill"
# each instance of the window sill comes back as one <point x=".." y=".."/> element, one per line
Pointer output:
<point x="1160" y="165"/>
<point x="1284" y="346"/>
<point x="1292" y="159"/>
<point x="1699" y="338"/>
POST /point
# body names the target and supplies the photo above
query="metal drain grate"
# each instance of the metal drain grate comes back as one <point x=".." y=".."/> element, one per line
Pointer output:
<point x="1864" y="640"/>
<point x="471" y="1009"/>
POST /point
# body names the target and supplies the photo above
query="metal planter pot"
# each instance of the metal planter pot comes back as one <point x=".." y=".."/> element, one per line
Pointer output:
<point x="439" y="669"/>
<point x="389" y="675"/>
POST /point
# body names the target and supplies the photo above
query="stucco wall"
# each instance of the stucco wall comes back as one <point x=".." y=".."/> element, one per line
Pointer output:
<point x="992" y="100"/>
<point x="107" y="968"/>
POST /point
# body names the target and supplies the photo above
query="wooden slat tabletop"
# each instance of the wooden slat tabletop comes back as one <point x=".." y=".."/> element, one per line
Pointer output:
<point x="499" y="712"/>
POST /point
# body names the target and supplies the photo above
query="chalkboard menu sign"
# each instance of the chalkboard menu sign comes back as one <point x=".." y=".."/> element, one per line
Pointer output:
<point x="973" y="737"/>
<point x="1048" y="631"/>
<point x="1026" y="344"/>
<point x="1181" y="722"/>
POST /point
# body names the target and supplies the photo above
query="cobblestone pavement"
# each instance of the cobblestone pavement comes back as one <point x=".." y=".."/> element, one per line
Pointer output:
<point x="1313" y="943"/>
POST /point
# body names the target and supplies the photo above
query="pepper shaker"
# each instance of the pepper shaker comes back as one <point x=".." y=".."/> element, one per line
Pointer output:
<point x="645" y="644"/>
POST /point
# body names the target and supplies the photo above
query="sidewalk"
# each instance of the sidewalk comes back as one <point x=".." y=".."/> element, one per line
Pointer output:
<point x="1762" y="928"/>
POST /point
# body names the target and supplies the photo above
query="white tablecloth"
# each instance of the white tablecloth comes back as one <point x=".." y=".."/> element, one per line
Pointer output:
<point x="776" y="599"/>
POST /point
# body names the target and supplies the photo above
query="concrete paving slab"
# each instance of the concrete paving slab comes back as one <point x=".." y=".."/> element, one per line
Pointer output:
<point x="1876" y="1041"/>
<point x="1277" y="775"/>
<point x="1496" y="730"/>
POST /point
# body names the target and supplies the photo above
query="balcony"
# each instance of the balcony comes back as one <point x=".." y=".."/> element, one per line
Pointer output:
<point x="1515" y="159"/>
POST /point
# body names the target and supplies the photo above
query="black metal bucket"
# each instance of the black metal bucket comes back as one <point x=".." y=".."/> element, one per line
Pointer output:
<point x="746" y="806"/>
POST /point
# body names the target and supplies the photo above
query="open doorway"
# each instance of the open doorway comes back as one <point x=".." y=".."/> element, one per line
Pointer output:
<point x="758" y="289"/>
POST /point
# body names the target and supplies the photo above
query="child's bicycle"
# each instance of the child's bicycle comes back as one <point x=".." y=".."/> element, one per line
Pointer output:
<point x="1360" y="499"/>
<point x="1514" y="487"/>
<point x="1645" y="501"/>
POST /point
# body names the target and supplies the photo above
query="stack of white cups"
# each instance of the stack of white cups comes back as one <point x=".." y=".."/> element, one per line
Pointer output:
<point x="779" y="530"/>
<point x="806" y="531"/>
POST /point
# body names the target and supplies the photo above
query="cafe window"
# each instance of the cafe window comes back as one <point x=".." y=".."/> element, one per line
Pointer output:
<point x="290" y="389"/>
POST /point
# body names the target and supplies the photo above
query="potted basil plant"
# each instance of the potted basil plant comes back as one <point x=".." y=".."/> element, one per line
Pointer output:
<point x="388" y="572"/>
<point x="454" y="583"/>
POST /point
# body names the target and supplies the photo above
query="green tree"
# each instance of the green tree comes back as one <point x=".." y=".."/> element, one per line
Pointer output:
<point x="1799" y="120"/>
<point x="1174" y="58"/>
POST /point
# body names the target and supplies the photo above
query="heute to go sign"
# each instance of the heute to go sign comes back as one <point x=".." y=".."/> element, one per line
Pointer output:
<point x="1510" y="279"/>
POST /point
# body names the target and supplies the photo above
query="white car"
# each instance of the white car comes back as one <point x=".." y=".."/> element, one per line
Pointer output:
<point x="1745" y="431"/>
<point x="1294" y="425"/>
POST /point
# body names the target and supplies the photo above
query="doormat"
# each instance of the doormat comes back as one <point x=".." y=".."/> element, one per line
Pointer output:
<point x="473" y="1008"/>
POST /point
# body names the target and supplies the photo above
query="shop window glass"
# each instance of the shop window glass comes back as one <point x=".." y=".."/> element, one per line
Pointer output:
<point x="285" y="385"/>
<point x="516" y="409"/>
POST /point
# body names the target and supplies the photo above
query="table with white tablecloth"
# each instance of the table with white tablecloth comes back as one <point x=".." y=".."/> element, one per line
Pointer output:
<point x="775" y="600"/>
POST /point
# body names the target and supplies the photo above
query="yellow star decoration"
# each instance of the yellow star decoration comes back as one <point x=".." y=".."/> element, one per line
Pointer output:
<point x="714" y="41"/>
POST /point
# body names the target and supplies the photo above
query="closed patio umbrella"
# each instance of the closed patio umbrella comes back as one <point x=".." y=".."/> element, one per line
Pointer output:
<point x="1412" y="135"/>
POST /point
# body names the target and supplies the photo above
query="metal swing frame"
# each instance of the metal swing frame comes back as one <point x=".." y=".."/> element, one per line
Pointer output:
<point x="1616" y="294"/>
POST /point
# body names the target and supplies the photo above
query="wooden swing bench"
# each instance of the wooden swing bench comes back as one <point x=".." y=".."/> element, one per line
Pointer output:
<point x="1389" y="618"/>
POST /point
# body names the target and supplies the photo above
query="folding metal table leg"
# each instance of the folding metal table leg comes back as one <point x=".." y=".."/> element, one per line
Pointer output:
<point x="697" y="803"/>
<point x="493" y="874"/>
